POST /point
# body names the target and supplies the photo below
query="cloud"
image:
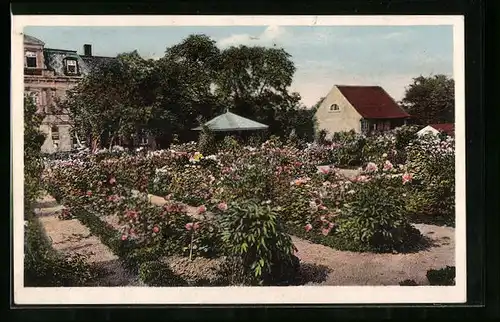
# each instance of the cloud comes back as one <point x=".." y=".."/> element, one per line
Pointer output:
<point x="269" y="36"/>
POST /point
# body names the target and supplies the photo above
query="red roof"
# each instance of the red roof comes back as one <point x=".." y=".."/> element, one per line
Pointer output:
<point x="448" y="128"/>
<point x="372" y="102"/>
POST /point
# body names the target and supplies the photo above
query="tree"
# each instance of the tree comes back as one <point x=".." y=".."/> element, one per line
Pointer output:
<point x="33" y="140"/>
<point x="186" y="81"/>
<point x="254" y="82"/>
<point x="114" y="101"/>
<point x="431" y="99"/>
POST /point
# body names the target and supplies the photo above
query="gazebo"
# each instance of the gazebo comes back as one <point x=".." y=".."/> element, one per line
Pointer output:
<point x="230" y="122"/>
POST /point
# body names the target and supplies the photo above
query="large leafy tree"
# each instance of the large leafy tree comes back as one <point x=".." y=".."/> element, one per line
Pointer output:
<point x="431" y="99"/>
<point x="114" y="101"/>
<point x="254" y="82"/>
<point x="185" y="93"/>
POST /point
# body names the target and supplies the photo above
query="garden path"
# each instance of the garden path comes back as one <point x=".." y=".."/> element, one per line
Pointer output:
<point x="71" y="236"/>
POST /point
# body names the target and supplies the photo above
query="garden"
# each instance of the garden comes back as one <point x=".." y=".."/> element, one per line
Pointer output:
<point x="349" y="210"/>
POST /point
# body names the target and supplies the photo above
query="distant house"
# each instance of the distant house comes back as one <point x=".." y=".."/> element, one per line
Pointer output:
<point x="447" y="128"/>
<point x="364" y="109"/>
<point x="48" y="74"/>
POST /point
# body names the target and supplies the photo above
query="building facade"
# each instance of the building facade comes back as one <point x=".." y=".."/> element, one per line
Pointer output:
<point x="48" y="74"/>
<point x="364" y="109"/>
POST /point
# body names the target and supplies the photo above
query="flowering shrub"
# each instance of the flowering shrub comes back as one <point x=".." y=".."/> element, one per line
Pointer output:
<point x="374" y="214"/>
<point x="432" y="160"/>
<point x="254" y="236"/>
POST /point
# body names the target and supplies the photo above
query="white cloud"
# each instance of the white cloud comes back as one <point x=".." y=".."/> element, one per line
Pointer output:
<point x="270" y="35"/>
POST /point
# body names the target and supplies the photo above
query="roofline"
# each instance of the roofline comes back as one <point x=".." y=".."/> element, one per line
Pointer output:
<point x="383" y="89"/>
<point x="63" y="50"/>
<point x="93" y="56"/>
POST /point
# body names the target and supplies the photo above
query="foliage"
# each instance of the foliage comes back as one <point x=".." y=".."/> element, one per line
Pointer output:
<point x="431" y="99"/>
<point x="44" y="266"/>
<point x="253" y="233"/>
<point x="444" y="276"/>
<point x="408" y="283"/>
<point x="33" y="140"/>
<point x="432" y="161"/>
<point x="207" y="144"/>
<point x="375" y="215"/>
<point x="157" y="273"/>
<point x="113" y="102"/>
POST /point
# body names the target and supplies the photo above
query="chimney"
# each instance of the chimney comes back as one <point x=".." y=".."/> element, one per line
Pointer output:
<point x="87" y="50"/>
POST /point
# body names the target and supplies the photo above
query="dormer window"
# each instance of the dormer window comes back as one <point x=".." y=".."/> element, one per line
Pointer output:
<point x="71" y="67"/>
<point x="30" y="59"/>
<point x="334" y="108"/>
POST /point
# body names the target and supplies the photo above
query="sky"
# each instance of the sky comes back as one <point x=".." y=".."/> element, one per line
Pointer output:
<point x="388" y="56"/>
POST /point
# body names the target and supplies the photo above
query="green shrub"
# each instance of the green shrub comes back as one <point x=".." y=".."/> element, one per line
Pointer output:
<point x="433" y="163"/>
<point x="157" y="273"/>
<point x="256" y="239"/>
<point x="408" y="283"/>
<point x="375" y="216"/>
<point x="44" y="266"/>
<point x="207" y="143"/>
<point x="443" y="276"/>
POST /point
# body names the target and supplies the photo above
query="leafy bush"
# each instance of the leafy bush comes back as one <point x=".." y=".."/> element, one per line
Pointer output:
<point x="207" y="143"/>
<point x="44" y="266"/>
<point x="157" y="273"/>
<point x="433" y="163"/>
<point x="375" y="216"/>
<point x="444" y="276"/>
<point x="254" y="236"/>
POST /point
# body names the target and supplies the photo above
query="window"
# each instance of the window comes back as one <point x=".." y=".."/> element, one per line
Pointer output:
<point x="365" y="126"/>
<point x="30" y="59"/>
<point x="55" y="136"/>
<point x="71" y="67"/>
<point x="334" y="108"/>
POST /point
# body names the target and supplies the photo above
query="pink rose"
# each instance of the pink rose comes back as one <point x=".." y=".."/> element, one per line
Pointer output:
<point x="156" y="229"/>
<point x="202" y="209"/>
<point x="407" y="177"/>
<point x="124" y="237"/>
<point x="112" y="180"/>
<point x="325" y="231"/>
<point x="330" y="225"/>
<point x="196" y="226"/>
<point x="388" y="165"/>
<point x="222" y="206"/>
<point x="308" y="227"/>
<point x="371" y="167"/>
<point x="189" y="226"/>
<point x="89" y="193"/>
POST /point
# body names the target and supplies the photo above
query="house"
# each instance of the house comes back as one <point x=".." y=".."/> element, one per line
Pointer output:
<point x="447" y="128"/>
<point x="48" y="74"/>
<point x="364" y="109"/>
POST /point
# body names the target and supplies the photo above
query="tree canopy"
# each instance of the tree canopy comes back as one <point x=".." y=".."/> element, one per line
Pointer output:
<point x="193" y="82"/>
<point x="431" y="99"/>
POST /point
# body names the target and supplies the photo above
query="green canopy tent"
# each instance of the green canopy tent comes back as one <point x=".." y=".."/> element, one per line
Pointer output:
<point x="230" y="122"/>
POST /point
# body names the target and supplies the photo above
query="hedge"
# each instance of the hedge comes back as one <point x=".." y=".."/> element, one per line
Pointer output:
<point x="45" y="266"/>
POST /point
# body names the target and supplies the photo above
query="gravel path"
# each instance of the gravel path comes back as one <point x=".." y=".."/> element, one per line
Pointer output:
<point x="71" y="236"/>
<point x="334" y="267"/>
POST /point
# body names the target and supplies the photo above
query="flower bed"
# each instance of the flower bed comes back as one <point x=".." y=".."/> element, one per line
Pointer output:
<point x="370" y="212"/>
